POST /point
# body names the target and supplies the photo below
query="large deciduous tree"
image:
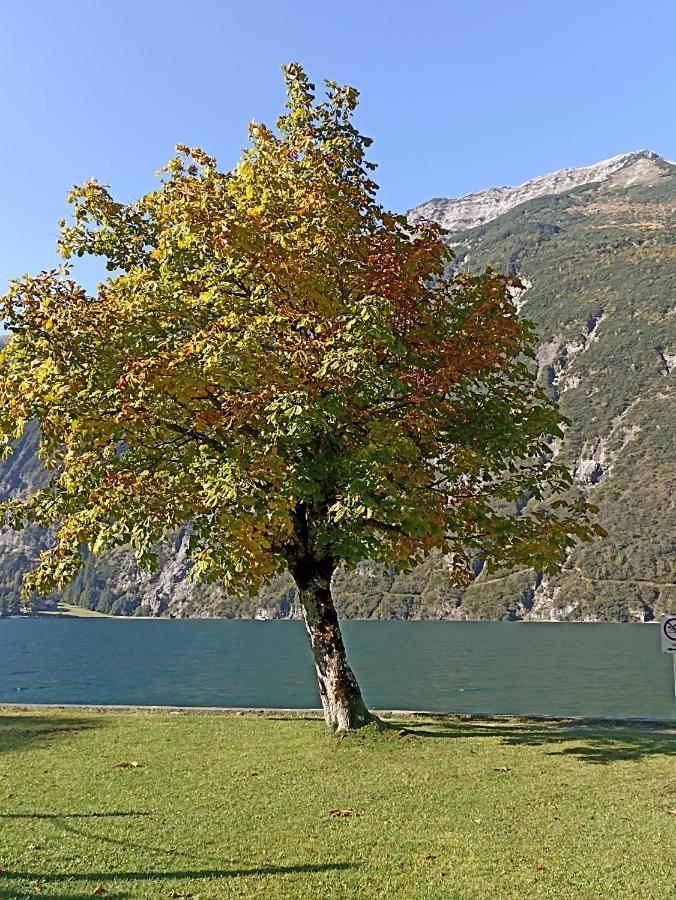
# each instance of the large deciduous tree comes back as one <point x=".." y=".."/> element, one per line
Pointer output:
<point x="287" y="367"/>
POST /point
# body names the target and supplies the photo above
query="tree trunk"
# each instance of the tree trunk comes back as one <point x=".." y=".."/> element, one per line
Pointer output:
<point x="344" y="708"/>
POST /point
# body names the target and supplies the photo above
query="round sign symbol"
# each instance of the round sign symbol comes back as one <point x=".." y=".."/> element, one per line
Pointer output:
<point x="669" y="629"/>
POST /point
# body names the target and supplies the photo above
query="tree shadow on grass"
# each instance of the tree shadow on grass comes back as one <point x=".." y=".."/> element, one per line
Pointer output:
<point x="70" y="896"/>
<point x="591" y="742"/>
<point x="187" y="874"/>
<point x="61" y="823"/>
<point x="92" y="815"/>
<point x="18" y="732"/>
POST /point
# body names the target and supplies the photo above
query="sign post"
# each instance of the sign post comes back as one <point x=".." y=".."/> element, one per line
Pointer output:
<point x="668" y="639"/>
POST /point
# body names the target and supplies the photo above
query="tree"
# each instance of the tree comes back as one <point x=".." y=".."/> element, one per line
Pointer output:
<point x="15" y="607"/>
<point x="288" y="367"/>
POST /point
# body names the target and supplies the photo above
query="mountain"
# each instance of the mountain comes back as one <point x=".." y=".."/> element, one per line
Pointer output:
<point x="463" y="213"/>
<point x="595" y="249"/>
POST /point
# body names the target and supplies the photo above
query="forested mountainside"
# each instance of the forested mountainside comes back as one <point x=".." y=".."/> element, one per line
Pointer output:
<point x="595" y="249"/>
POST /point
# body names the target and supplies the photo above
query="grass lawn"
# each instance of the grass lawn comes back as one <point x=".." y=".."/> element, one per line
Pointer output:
<point x="72" y="611"/>
<point x="240" y="806"/>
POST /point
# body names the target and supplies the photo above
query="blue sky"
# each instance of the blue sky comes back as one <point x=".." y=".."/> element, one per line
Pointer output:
<point x="457" y="95"/>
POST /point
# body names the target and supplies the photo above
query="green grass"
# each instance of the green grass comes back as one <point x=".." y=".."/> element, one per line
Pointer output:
<point x="239" y="806"/>
<point x="70" y="611"/>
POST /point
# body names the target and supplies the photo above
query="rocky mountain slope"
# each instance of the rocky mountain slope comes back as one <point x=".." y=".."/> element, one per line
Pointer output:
<point x="474" y="209"/>
<point x="599" y="263"/>
<point x="596" y="250"/>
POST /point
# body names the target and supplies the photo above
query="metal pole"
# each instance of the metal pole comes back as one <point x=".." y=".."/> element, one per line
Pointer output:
<point x="673" y="659"/>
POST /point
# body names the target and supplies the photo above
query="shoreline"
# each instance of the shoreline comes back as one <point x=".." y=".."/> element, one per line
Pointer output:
<point x="668" y="725"/>
<point x="93" y="614"/>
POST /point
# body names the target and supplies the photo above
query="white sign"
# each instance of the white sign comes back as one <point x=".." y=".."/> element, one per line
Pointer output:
<point x="668" y="633"/>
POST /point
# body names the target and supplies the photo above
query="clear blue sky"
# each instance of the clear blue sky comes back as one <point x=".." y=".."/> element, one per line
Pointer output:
<point x="457" y="95"/>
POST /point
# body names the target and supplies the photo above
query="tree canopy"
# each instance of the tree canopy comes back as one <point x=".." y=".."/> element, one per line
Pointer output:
<point x="279" y="361"/>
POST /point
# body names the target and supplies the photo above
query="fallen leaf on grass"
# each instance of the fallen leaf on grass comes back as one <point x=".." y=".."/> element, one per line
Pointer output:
<point x="128" y="764"/>
<point x="538" y="866"/>
<point x="100" y="890"/>
<point x="34" y="847"/>
<point x="343" y="813"/>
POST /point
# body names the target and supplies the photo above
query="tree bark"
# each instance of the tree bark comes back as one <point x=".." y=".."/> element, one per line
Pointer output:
<point x="344" y="708"/>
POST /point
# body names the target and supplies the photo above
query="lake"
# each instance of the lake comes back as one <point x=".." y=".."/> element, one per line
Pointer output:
<point x="485" y="667"/>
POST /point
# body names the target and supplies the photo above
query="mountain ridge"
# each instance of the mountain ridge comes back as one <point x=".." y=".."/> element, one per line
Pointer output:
<point x="478" y="207"/>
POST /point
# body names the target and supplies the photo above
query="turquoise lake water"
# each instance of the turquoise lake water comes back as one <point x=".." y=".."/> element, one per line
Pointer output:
<point x="535" y="668"/>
